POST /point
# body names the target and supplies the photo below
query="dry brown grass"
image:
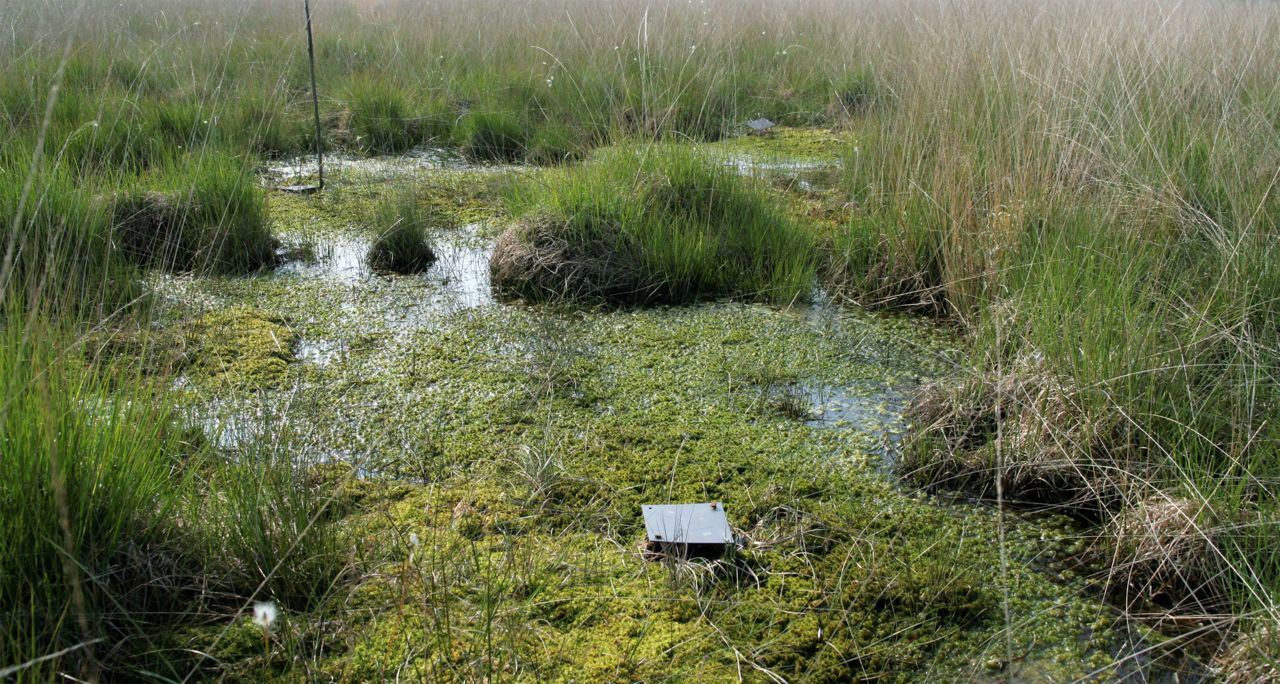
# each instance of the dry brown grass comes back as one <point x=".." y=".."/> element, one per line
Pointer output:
<point x="1254" y="658"/>
<point x="534" y="259"/>
<point x="1164" y="553"/>
<point x="1055" y="452"/>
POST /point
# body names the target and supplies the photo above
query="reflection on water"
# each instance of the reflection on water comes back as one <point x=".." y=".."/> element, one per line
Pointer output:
<point x="319" y="352"/>
<point x="750" y="166"/>
<point x="288" y="171"/>
<point x="458" y="280"/>
<point x="460" y="274"/>
<point x="462" y="271"/>
<point x="808" y="175"/>
<point x="337" y="258"/>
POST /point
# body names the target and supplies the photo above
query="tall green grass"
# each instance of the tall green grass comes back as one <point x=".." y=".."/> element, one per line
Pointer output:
<point x="384" y="120"/>
<point x="57" y="250"/>
<point x="267" y="521"/>
<point x="491" y="136"/>
<point x="74" y="242"/>
<point x="119" y="525"/>
<point x="1089" y="190"/>
<point x="403" y="241"/>
<point x="1104" y="225"/>
<point x="401" y="75"/>
<point x="89" y="476"/>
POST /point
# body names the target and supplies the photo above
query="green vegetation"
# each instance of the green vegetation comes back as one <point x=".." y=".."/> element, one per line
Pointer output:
<point x="202" y="213"/>
<point x="403" y="242"/>
<point x="235" y="347"/>
<point x="493" y="137"/>
<point x="381" y="120"/>
<point x="85" y="475"/>
<point x="647" y="225"/>
<point x="786" y="145"/>
<point x="1119" y="282"/>
<point x="401" y="75"/>
<point x="534" y="465"/>
<point x="57" y="251"/>
<point x="554" y="144"/>
<point x="118" y="525"/>
<point x="1086" y="197"/>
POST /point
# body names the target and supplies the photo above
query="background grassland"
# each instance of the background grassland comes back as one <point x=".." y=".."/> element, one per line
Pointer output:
<point x="1088" y="190"/>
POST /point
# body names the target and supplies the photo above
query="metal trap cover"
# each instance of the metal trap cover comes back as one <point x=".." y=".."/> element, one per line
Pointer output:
<point x="701" y="523"/>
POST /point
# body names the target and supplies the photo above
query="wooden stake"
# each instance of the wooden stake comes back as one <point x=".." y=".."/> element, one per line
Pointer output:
<point x="315" y="98"/>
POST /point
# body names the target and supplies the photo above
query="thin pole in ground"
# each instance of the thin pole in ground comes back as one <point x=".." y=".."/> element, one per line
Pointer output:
<point x="315" y="98"/>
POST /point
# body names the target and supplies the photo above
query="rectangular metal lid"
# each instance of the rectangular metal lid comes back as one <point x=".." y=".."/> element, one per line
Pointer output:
<point x="702" y="523"/>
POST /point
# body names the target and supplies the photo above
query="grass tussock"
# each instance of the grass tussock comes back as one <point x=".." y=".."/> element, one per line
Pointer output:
<point x="403" y="242"/>
<point x="1168" y="554"/>
<point x="1027" y="427"/>
<point x="642" y="225"/>
<point x="383" y="121"/>
<point x="205" y="214"/>
<point x="85" y="478"/>
<point x="1254" y="657"/>
<point x="1065" y="209"/>
<point x="503" y="84"/>
<point x="492" y="136"/>
<point x="57" y="252"/>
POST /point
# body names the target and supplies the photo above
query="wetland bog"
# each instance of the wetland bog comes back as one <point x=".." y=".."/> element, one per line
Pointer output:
<point x="521" y="440"/>
<point x="977" y="347"/>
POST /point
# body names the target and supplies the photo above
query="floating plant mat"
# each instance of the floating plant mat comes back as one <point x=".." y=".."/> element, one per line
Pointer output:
<point x="519" y="443"/>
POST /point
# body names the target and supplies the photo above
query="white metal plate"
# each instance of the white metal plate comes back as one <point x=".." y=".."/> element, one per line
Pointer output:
<point x="703" y="523"/>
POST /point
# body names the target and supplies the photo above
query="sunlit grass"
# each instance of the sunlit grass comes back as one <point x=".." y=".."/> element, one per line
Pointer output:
<point x="649" y="224"/>
<point x="1088" y="191"/>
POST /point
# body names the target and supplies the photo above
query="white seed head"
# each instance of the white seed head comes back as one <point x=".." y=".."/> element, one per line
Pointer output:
<point x="413" y="539"/>
<point x="264" y="613"/>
